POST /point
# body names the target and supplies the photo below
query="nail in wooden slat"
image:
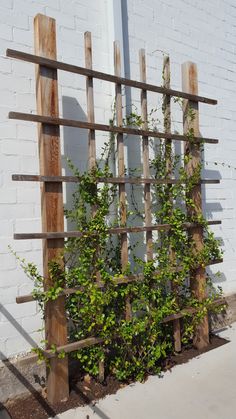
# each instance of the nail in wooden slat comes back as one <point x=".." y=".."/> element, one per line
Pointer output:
<point x="52" y="201"/>
<point x="191" y="122"/>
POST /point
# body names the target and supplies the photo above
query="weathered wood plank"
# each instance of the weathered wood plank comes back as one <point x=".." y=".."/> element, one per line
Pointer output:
<point x="193" y="151"/>
<point x="169" y="169"/>
<point x="115" y="230"/>
<point x="103" y="76"/>
<point x="188" y="311"/>
<point x="106" y="128"/>
<point x="114" y="180"/>
<point x="90" y="99"/>
<point x="121" y="170"/>
<point x="73" y="346"/>
<point x="52" y="201"/>
<point x="145" y="153"/>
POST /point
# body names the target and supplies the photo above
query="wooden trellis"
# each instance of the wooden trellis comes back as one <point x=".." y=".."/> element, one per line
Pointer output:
<point x="51" y="180"/>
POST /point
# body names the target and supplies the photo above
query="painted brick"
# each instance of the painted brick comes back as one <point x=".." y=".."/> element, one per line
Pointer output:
<point x="5" y="32"/>
<point x="8" y="295"/>
<point x="8" y="98"/>
<point x="14" y="19"/>
<point x="13" y="147"/>
<point x="28" y="195"/>
<point x="18" y="311"/>
<point x="7" y="4"/>
<point x="6" y="228"/>
<point x="22" y="36"/>
<point x="7" y="262"/>
<point x="7" y="196"/>
<point x="33" y="324"/>
<point x="5" y="65"/>
<point x="31" y="8"/>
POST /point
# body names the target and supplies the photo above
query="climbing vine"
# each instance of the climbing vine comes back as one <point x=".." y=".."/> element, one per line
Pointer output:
<point x="131" y="348"/>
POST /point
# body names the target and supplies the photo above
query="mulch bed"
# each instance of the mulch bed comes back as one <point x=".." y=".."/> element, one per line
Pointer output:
<point x="88" y="390"/>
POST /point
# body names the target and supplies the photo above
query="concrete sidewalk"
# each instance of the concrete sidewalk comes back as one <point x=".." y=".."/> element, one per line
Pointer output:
<point x="204" y="388"/>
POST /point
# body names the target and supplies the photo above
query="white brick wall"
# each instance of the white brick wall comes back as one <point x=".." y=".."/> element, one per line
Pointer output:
<point x="200" y="31"/>
<point x="20" y="202"/>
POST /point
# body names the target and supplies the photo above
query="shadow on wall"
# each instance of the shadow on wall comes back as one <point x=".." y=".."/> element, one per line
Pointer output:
<point x="75" y="141"/>
<point x="135" y="194"/>
<point x="209" y="211"/>
<point x="75" y="146"/>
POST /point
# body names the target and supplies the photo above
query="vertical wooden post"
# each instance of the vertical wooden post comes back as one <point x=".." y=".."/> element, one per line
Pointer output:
<point x="145" y="146"/>
<point x="193" y="151"/>
<point x="92" y="136"/>
<point x="90" y="99"/>
<point x="121" y="169"/>
<point x="51" y="201"/>
<point x="169" y="168"/>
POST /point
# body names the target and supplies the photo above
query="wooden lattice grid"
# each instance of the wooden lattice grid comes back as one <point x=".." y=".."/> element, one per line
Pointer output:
<point x="51" y="179"/>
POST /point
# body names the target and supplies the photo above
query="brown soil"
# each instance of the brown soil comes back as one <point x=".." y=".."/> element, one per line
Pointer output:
<point x="88" y="390"/>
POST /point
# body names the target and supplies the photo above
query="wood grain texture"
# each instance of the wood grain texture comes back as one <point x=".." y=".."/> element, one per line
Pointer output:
<point x="51" y="200"/>
<point x="121" y="170"/>
<point x="145" y="154"/>
<point x="50" y="63"/>
<point x="90" y="99"/>
<point x="114" y="180"/>
<point x="198" y="276"/>
<point x="73" y="346"/>
<point x="169" y="169"/>
<point x="114" y="230"/>
<point x="106" y="128"/>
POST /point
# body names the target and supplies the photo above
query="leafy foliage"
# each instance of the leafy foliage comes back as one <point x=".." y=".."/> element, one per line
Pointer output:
<point x="131" y="348"/>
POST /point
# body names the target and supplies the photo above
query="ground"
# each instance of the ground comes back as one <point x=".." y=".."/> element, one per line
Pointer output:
<point x="204" y="388"/>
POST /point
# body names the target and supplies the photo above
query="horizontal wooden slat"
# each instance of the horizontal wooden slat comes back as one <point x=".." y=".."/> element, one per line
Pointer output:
<point x="114" y="180"/>
<point x="74" y="346"/>
<point x="104" y="76"/>
<point x="180" y="315"/>
<point x="21" y="299"/>
<point x="190" y="311"/>
<point x="116" y="230"/>
<point x="106" y="128"/>
<point x="117" y="280"/>
<point x="125" y="279"/>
